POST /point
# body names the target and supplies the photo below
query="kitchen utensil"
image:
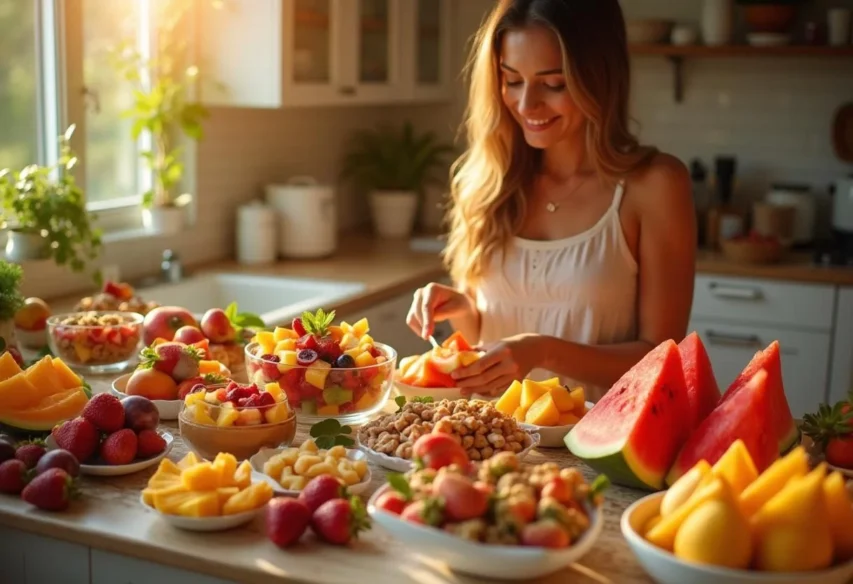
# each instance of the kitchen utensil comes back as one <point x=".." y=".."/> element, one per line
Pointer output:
<point x="256" y="233"/>
<point x="433" y="342"/>
<point x="799" y="197"/>
<point x="774" y="221"/>
<point x="308" y="217"/>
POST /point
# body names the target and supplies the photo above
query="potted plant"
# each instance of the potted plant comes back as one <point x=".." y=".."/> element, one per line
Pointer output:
<point x="11" y="300"/>
<point x="769" y="16"/>
<point x="394" y="166"/>
<point x="163" y="107"/>
<point x="45" y="215"/>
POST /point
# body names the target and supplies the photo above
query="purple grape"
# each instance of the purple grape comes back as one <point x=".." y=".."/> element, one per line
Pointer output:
<point x="58" y="459"/>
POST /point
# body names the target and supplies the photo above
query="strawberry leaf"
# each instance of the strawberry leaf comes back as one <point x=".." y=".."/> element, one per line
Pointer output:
<point x="399" y="483"/>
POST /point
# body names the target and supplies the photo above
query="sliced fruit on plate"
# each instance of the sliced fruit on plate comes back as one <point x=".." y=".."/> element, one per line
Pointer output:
<point x="702" y="390"/>
<point x="633" y="433"/>
<point x="433" y="369"/>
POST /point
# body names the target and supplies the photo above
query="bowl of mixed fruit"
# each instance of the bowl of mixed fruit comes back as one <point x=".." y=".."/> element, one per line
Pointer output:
<point x="95" y="342"/>
<point x="236" y="418"/>
<point x="326" y="371"/>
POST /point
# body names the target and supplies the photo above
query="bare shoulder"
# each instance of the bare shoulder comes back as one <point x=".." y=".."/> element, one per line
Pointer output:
<point x="661" y="185"/>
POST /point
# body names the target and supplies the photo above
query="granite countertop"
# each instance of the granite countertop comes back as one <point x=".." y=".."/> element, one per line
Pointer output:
<point x="110" y="517"/>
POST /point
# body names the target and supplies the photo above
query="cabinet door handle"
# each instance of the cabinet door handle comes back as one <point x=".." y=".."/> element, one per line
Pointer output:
<point x="733" y="339"/>
<point x="735" y="292"/>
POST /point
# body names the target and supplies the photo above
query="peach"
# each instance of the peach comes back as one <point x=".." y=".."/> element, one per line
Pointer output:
<point x="189" y="335"/>
<point x="164" y="322"/>
<point x="152" y="384"/>
<point x="33" y="315"/>
<point x="216" y="326"/>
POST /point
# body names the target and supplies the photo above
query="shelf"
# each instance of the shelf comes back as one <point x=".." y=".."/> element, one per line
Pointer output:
<point x="677" y="54"/>
<point x="312" y="19"/>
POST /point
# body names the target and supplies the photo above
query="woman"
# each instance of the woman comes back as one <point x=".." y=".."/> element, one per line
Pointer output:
<point x="571" y="246"/>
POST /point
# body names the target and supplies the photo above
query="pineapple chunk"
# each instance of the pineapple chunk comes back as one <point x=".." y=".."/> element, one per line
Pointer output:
<point x="265" y="340"/>
<point x="510" y="400"/>
<point x="225" y="493"/>
<point x="281" y="333"/>
<point x="580" y="401"/>
<point x="166" y="466"/>
<point x="317" y="372"/>
<point x="360" y="328"/>
<point x="277" y="413"/>
<point x="225" y="464"/>
<point x="228" y="415"/>
<point x="250" y="498"/>
<point x="199" y="415"/>
<point x="563" y="399"/>
<point x="345" y="327"/>
<point x="365" y="359"/>
<point x="530" y="392"/>
<point x="328" y="410"/>
<point x="366" y="341"/>
<point x="285" y="345"/>
<point x="188" y="461"/>
<point x="543" y="412"/>
<point x="274" y="389"/>
<point x="169" y="501"/>
<point x="349" y="341"/>
<point x="354" y="352"/>
<point x="201" y="477"/>
<point x="194" y="398"/>
<point x="287" y="361"/>
<point x="152" y="490"/>
<point x="200" y="505"/>
<point x="243" y="475"/>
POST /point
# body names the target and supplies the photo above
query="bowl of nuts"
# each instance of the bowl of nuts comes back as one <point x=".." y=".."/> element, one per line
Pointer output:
<point x="481" y="429"/>
<point x="95" y="342"/>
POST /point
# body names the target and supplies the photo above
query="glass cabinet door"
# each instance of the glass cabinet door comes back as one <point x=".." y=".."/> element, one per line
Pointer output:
<point x="430" y="54"/>
<point x="376" y="53"/>
<point x="312" y="44"/>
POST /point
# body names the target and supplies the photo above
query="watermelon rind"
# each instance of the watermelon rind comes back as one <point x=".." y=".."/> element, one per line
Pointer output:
<point x="615" y="461"/>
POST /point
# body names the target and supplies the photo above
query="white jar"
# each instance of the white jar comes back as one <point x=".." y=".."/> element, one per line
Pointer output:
<point x="256" y="234"/>
<point x="717" y="22"/>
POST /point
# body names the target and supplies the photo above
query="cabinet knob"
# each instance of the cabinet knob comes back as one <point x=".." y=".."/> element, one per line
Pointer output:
<point x="346" y="90"/>
<point x="735" y="292"/>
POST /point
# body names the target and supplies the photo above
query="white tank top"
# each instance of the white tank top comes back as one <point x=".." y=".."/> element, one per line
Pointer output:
<point x="581" y="288"/>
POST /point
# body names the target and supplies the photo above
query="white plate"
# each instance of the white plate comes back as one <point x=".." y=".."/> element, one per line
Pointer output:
<point x="552" y="436"/>
<point x="114" y="470"/>
<point x="436" y="393"/>
<point x="264" y="454"/>
<point x="168" y="408"/>
<point x="666" y="568"/>
<point x="397" y="464"/>
<point x="501" y="562"/>
<point x="218" y="523"/>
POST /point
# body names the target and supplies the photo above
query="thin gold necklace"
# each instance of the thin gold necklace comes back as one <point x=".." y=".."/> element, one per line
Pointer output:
<point x="552" y="205"/>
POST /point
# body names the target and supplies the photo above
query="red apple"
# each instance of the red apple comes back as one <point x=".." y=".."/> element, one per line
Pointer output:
<point x="188" y="335"/>
<point x="164" y="321"/>
<point x="216" y="326"/>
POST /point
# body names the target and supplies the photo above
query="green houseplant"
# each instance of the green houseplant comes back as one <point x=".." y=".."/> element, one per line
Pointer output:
<point x="394" y="165"/>
<point x="11" y="300"/>
<point x="163" y="107"/>
<point x="45" y="215"/>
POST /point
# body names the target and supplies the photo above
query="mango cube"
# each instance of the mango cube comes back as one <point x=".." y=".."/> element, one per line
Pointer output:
<point x="266" y="340"/>
<point x="365" y="359"/>
<point x="285" y="345"/>
<point x="281" y="333"/>
<point x="563" y="399"/>
<point x="543" y="412"/>
<point x="274" y="389"/>
<point x="360" y="328"/>
<point x="201" y="477"/>
<point x="510" y="400"/>
<point x="249" y="498"/>
<point x="317" y="372"/>
<point x="530" y="392"/>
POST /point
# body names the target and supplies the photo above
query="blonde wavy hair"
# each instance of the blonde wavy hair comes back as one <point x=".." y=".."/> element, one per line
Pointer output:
<point x="488" y="181"/>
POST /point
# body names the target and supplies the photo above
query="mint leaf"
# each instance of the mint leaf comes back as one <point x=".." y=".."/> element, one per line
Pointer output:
<point x="231" y="311"/>
<point x="400" y="400"/>
<point x="399" y="483"/>
<point x="248" y="320"/>
<point x="599" y="485"/>
<point x="324" y="442"/>
<point x="344" y="441"/>
<point x="329" y="427"/>
<point x="346" y="430"/>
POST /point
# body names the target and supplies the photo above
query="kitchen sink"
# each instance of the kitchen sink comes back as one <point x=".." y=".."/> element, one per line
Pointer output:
<point x="277" y="300"/>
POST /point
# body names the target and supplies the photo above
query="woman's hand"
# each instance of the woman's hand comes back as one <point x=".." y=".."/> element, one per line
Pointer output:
<point x="504" y="362"/>
<point x="435" y="303"/>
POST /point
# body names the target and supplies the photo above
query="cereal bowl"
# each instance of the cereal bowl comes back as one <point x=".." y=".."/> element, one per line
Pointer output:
<point x="318" y="391"/>
<point x="95" y="342"/>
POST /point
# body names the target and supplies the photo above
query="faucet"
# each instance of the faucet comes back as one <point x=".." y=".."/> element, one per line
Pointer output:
<point x="171" y="269"/>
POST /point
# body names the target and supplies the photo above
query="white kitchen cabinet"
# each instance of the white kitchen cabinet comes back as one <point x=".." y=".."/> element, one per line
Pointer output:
<point x="291" y="53"/>
<point x="12" y="554"/>
<point x="108" y="568"/>
<point x="27" y="558"/>
<point x="841" y="380"/>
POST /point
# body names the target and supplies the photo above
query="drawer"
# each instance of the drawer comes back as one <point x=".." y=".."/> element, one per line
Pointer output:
<point x="805" y="358"/>
<point x="762" y="301"/>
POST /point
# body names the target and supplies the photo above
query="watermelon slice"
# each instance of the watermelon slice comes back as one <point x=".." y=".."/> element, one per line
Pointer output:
<point x="633" y="433"/>
<point x="746" y="416"/>
<point x="703" y="394"/>
<point x="781" y="424"/>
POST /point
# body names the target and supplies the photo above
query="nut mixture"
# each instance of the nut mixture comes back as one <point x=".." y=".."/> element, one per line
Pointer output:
<point x="112" y="338"/>
<point x="105" y="301"/>
<point x="478" y="426"/>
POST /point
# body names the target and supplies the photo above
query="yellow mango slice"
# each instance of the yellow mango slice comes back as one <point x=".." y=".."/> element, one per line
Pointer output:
<point x="243" y="475"/>
<point x="553" y="382"/>
<point x="530" y="392"/>
<point x="579" y="398"/>
<point x="567" y="419"/>
<point x="510" y="400"/>
<point x="543" y="412"/>
<point x="773" y="480"/>
<point x="250" y="498"/>
<point x="796" y="504"/>
<point x="201" y="477"/>
<point x="840" y="512"/>
<point x="519" y="414"/>
<point x="683" y="488"/>
<point x="9" y="367"/>
<point x="663" y="534"/>
<point x="190" y="459"/>
<point x="716" y="533"/>
<point x="360" y="328"/>
<point x="204" y="504"/>
<point x="736" y="467"/>
<point x="563" y="400"/>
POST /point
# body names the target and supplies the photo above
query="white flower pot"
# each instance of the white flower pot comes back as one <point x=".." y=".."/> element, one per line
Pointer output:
<point x="164" y="220"/>
<point x="393" y="213"/>
<point x="21" y="246"/>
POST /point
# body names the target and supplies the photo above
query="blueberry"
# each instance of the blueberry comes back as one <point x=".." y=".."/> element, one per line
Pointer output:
<point x="345" y="362"/>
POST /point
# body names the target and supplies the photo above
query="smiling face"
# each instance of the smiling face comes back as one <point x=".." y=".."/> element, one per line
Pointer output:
<point x="534" y="88"/>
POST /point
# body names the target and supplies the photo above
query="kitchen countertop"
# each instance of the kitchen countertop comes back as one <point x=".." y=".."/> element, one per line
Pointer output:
<point x="110" y="517"/>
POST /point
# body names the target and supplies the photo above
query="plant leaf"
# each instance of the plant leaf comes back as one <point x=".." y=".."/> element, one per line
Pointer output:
<point x="399" y="483"/>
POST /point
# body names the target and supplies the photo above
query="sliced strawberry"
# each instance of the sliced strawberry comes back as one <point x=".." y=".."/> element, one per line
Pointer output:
<point x="266" y="399"/>
<point x="298" y="327"/>
<point x="251" y="389"/>
<point x="307" y="342"/>
<point x="329" y="349"/>
<point x="347" y="408"/>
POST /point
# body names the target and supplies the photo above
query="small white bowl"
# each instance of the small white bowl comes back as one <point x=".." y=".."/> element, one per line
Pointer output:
<point x="264" y="454"/>
<point x="115" y="470"/>
<point x="436" y="393"/>
<point x="500" y="562"/>
<point x="168" y="408"/>
<point x="218" y="523"/>
<point x="552" y="436"/>
<point x="397" y="464"/>
<point x="666" y="568"/>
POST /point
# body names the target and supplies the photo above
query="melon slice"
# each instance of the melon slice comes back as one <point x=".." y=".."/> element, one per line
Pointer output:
<point x="744" y="416"/>
<point x="703" y="394"/>
<point x="633" y="433"/>
<point x="8" y="366"/>
<point x="44" y="377"/>
<point x="67" y="378"/>
<point x="51" y="411"/>
<point x="17" y="392"/>
<point x="781" y="424"/>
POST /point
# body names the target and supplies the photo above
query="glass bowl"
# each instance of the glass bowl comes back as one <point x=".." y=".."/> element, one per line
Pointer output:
<point x="210" y="428"/>
<point x="95" y="342"/>
<point x="351" y="395"/>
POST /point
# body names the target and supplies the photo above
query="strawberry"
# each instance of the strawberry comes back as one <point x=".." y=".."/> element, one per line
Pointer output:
<point x="269" y="365"/>
<point x="176" y="360"/>
<point x="119" y="447"/>
<point x="29" y="453"/>
<point x="13" y="476"/>
<point x="78" y="436"/>
<point x="297" y="327"/>
<point x="286" y="520"/>
<point x="320" y="489"/>
<point x="340" y="520"/>
<point x="105" y="412"/>
<point x="149" y="443"/>
<point x="329" y="349"/>
<point x="52" y="490"/>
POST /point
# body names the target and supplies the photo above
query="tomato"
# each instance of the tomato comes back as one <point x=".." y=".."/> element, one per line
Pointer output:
<point x="839" y="452"/>
<point x="462" y="500"/>
<point x="437" y="450"/>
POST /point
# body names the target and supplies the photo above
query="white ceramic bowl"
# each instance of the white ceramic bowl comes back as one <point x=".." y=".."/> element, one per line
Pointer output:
<point x="264" y="454"/>
<point x="114" y="470"/>
<point x="436" y="393"/>
<point x="168" y="408"/>
<point x="218" y="523"/>
<point x="502" y="562"/>
<point x="552" y="436"/>
<point x="666" y="568"/>
<point x="397" y="464"/>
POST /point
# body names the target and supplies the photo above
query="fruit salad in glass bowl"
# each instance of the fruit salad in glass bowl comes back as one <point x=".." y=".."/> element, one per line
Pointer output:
<point x="95" y="342"/>
<point x="239" y="419"/>
<point x="327" y="371"/>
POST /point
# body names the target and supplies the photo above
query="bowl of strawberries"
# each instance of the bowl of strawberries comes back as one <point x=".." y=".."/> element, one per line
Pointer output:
<point x="326" y="370"/>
